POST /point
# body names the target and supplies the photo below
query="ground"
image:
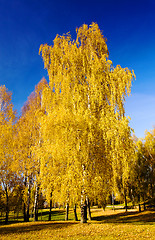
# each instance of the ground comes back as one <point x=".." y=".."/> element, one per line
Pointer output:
<point x="108" y="225"/>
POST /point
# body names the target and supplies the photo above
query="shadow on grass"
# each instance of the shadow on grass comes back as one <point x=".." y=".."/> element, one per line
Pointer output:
<point x="53" y="213"/>
<point x="2" y="223"/>
<point x="56" y="215"/>
<point x="30" y="227"/>
<point x="146" y="217"/>
<point x="130" y="217"/>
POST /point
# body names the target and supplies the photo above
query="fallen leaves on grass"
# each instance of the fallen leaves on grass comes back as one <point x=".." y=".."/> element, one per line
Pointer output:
<point x="113" y="226"/>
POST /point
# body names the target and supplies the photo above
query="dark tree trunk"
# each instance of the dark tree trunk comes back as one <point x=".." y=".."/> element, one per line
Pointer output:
<point x="104" y="205"/>
<point x="67" y="212"/>
<point x="113" y="201"/>
<point x="88" y="208"/>
<point x="24" y="212"/>
<point x="152" y="181"/>
<point x="7" y="206"/>
<point x="84" y="212"/>
<point x="139" y="203"/>
<point x="28" y="204"/>
<point x="24" y="207"/>
<point x="75" y="214"/>
<point x="144" y="202"/>
<point x="6" y="216"/>
<point x="27" y="213"/>
<point x="126" y="205"/>
<point x="50" y="208"/>
<point x="17" y="214"/>
<point x="83" y="199"/>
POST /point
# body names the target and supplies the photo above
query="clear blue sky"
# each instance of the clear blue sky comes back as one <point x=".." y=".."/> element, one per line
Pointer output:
<point x="129" y="27"/>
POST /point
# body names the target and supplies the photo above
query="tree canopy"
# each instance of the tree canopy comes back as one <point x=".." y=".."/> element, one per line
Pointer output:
<point x="84" y="108"/>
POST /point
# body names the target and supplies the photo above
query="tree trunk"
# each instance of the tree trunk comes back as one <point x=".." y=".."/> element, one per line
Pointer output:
<point x="36" y="203"/>
<point x="88" y="208"/>
<point x="104" y="205"/>
<point x="41" y="214"/>
<point x="6" y="216"/>
<point x="75" y="214"/>
<point x="113" y="201"/>
<point x="67" y="211"/>
<point x="50" y="208"/>
<point x="7" y="206"/>
<point x="24" y="212"/>
<point x="126" y="205"/>
<point x="17" y="214"/>
<point x="28" y="204"/>
<point x="152" y="181"/>
<point x="139" y="203"/>
<point x="144" y="206"/>
<point x="139" y="207"/>
<point x="24" y="207"/>
<point x="84" y="212"/>
<point x="83" y="199"/>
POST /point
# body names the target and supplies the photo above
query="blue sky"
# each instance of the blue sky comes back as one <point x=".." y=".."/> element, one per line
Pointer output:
<point x="129" y="27"/>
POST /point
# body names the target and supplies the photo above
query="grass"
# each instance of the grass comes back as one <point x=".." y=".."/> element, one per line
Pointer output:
<point x="57" y="215"/>
<point x="108" y="225"/>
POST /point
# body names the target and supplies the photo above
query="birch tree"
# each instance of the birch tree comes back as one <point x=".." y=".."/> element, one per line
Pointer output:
<point x="86" y="100"/>
<point x="7" y="120"/>
<point x="29" y="141"/>
<point x="150" y="155"/>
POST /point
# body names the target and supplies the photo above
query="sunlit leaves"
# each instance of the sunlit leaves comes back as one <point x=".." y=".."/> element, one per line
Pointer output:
<point x="84" y="123"/>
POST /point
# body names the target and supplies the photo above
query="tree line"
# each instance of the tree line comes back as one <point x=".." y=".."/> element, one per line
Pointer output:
<point x="72" y="143"/>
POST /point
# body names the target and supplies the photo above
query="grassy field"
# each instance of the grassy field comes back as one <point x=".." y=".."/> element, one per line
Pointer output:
<point x="108" y="225"/>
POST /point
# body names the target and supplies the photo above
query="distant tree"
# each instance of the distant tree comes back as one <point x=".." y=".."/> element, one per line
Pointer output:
<point x="7" y="120"/>
<point x="150" y="156"/>
<point x="142" y="177"/>
<point x="28" y="145"/>
<point x="140" y="172"/>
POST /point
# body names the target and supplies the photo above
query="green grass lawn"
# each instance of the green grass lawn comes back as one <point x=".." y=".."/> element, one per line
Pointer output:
<point x="43" y="215"/>
<point x="108" y="225"/>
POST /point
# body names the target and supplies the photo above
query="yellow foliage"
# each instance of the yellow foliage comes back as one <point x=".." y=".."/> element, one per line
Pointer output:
<point x="84" y="125"/>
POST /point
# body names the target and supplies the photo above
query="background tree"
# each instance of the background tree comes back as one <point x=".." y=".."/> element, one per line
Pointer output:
<point x="150" y="156"/>
<point x="29" y="141"/>
<point x="7" y="120"/>
<point x="140" y="172"/>
<point x="142" y="169"/>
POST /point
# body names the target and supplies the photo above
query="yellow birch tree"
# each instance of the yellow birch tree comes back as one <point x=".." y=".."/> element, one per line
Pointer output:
<point x="85" y="101"/>
<point x="28" y="145"/>
<point x="7" y="121"/>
